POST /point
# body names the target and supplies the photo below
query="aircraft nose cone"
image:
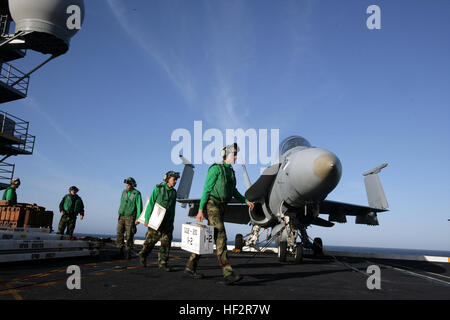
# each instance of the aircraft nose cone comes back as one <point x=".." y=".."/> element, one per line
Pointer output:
<point x="326" y="165"/>
<point x="313" y="173"/>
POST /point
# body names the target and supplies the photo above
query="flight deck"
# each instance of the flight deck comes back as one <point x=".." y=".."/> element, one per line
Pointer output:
<point x="107" y="276"/>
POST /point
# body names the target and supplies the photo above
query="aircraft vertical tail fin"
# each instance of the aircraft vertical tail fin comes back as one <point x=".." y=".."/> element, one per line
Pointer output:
<point x="184" y="188"/>
<point x="374" y="189"/>
<point x="246" y="178"/>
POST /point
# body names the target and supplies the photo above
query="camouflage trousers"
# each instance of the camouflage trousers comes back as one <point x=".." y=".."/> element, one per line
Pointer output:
<point x="125" y="225"/>
<point x="152" y="237"/>
<point x="215" y="219"/>
<point x="68" y="221"/>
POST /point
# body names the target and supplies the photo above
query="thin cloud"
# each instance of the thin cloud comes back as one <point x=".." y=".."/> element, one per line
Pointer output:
<point x="32" y="103"/>
<point x="218" y="103"/>
<point x="179" y="78"/>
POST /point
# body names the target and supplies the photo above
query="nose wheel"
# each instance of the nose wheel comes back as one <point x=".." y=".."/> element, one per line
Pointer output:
<point x="284" y="250"/>
<point x="298" y="253"/>
<point x="297" y="248"/>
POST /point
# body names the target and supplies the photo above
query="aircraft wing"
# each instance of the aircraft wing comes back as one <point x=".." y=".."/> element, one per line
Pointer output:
<point x="189" y="201"/>
<point x="197" y="201"/>
<point x="338" y="211"/>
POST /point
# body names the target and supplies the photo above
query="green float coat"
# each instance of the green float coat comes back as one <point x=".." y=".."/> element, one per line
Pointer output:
<point x="11" y="195"/>
<point x="166" y="197"/>
<point x="220" y="185"/>
<point x="73" y="204"/>
<point x="130" y="203"/>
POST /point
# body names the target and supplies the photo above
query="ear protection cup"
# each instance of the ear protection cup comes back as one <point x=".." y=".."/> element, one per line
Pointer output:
<point x="223" y="153"/>
<point x="171" y="174"/>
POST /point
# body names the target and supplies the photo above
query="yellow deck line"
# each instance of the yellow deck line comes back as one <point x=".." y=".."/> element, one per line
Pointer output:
<point x="13" y="292"/>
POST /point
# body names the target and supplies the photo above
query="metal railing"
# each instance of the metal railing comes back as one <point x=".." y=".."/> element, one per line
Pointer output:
<point x="14" y="78"/>
<point x="17" y="128"/>
<point x="6" y="173"/>
<point x="4" y="24"/>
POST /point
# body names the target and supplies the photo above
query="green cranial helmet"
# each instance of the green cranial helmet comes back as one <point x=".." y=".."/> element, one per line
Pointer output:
<point x="171" y="174"/>
<point x="130" y="181"/>
<point x="74" y="189"/>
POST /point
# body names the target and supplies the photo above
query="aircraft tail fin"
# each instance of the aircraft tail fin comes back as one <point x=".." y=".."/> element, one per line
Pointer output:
<point x="248" y="184"/>
<point x="374" y="189"/>
<point x="261" y="186"/>
<point x="184" y="188"/>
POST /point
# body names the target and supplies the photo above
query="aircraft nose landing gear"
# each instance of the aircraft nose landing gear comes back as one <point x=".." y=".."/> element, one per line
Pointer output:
<point x="296" y="249"/>
<point x="284" y="250"/>
<point x="298" y="254"/>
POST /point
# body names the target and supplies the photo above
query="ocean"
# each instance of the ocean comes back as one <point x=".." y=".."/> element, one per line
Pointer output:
<point x="414" y="252"/>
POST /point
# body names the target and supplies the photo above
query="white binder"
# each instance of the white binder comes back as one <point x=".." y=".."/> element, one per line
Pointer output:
<point x="157" y="216"/>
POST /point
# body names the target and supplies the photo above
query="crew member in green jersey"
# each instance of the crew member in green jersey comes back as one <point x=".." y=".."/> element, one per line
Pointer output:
<point x="70" y="206"/>
<point x="10" y="193"/>
<point x="129" y="210"/>
<point x="219" y="188"/>
<point x="165" y="195"/>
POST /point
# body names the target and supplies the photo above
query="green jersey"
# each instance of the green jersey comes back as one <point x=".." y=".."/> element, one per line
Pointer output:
<point x="166" y="197"/>
<point x="11" y="195"/>
<point x="220" y="185"/>
<point x="130" y="204"/>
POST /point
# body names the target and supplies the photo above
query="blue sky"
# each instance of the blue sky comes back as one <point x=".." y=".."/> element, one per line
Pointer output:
<point x="138" y="70"/>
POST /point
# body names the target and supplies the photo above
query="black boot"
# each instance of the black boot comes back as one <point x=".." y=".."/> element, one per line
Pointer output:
<point x="164" y="267"/>
<point x="232" y="278"/>
<point x="193" y="274"/>
<point x="142" y="260"/>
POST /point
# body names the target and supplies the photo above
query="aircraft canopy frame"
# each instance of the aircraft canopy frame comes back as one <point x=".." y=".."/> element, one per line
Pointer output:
<point x="292" y="142"/>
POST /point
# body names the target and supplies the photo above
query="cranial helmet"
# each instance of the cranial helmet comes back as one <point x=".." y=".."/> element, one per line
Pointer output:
<point x="171" y="174"/>
<point x="229" y="149"/>
<point x="73" y="188"/>
<point x="130" y="181"/>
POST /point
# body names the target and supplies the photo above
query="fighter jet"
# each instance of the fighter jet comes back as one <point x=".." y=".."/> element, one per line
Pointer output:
<point x="290" y="195"/>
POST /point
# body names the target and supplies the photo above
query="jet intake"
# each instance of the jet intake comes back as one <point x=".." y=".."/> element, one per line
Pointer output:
<point x="261" y="216"/>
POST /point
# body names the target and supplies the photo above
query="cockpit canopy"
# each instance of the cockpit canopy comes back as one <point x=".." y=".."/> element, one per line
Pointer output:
<point x="292" y="142"/>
